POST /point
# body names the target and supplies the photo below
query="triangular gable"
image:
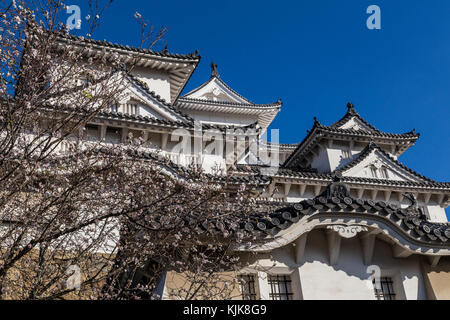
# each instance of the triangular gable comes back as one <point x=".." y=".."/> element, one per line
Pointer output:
<point x="352" y="120"/>
<point x="355" y="123"/>
<point x="216" y="90"/>
<point x="148" y="103"/>
<point x="375" y="163"/>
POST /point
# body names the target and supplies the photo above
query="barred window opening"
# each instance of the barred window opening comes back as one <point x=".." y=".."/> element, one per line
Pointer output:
<point x="248" y="287"/>
<point x="280" y="288"/>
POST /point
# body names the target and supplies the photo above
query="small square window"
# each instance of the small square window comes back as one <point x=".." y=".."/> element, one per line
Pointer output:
<point x="248" y="287"/>
<point x="280" y="288"/>
<point x="386" y="289"/>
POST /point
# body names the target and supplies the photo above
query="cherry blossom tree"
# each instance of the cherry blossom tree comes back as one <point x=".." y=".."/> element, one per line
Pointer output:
<point x="93" y="220"/>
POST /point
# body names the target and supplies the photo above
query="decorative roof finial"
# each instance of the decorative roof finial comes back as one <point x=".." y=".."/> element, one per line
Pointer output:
<point x="214" y="72"/>
<point x="316" y="122"/>
<point x="351" y="108"/>
<point x="165" y="50"/>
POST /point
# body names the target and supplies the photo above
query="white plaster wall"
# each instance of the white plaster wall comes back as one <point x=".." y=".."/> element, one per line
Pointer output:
<point x="437" y="213"/>
<point x="157" y="81"/>
<point x="321" y="162"/>
<point x="348" y="279"/>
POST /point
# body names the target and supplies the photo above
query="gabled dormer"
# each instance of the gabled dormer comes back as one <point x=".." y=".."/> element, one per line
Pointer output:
<point x="215" y="102"/>
<point x="215" y="89"/>
<point x="326" y="148"/>
<point x="137" y="101"/>
<point x="375" y="163"/>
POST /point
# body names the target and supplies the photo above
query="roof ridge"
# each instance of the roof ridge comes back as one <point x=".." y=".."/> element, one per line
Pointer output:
<point x="296" y="213"/>
<point x="164" y="53"/>
<point x="232" y="90"/>
<point x="278" y="102"/>
<point x="378" y="133"/>
<point x="215" y="76"/>
<point x="170" y="122"/>
<point x="283" y="172"/>
<point x="351" y="112"/>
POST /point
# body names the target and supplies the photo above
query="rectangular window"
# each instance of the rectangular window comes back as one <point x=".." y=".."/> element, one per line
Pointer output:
<point x="113" y="135"/>
<point x="346" y="154"/>
<point x="384" y="173"/>
<point x="132" y="108"/>
<point x="386" y="290"/>
<point x="280" y="288"/>
<point x="374" y="172"/>
<point x="92" y="132"/>
<point x="248" y="287"/>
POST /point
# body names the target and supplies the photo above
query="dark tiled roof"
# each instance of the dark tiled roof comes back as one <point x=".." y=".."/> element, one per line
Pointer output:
<point x="328" y="177"/>
<point x="410" y="220"/>
<point x="104" y="43"/>
<point x="164" y="122"/>
<point x="408" y="135"/>
<point x="276" y="104"/>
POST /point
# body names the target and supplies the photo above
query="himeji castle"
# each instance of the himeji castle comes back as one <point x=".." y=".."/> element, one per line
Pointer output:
<point x="351" y="220"/>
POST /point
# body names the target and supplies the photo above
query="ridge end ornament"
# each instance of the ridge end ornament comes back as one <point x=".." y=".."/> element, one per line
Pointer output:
<point x="214" y="72"/>
<point x="337" y="189"/>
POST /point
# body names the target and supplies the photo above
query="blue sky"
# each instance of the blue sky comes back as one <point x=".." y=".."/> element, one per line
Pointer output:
<point x="316" y="56"/>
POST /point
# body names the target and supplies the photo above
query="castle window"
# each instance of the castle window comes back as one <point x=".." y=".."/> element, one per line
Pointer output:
<point x="384" y="173"/>
<point x="92" y="132"/>
<point x="386" y="289"/>
<point x="248" y="287"/>
<point x="113" y="135"/>
<point x="346" y="154"/>
<point x="373" y="170"/>
<point x="132" y="108"/>
<point x="280" y="287"/>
